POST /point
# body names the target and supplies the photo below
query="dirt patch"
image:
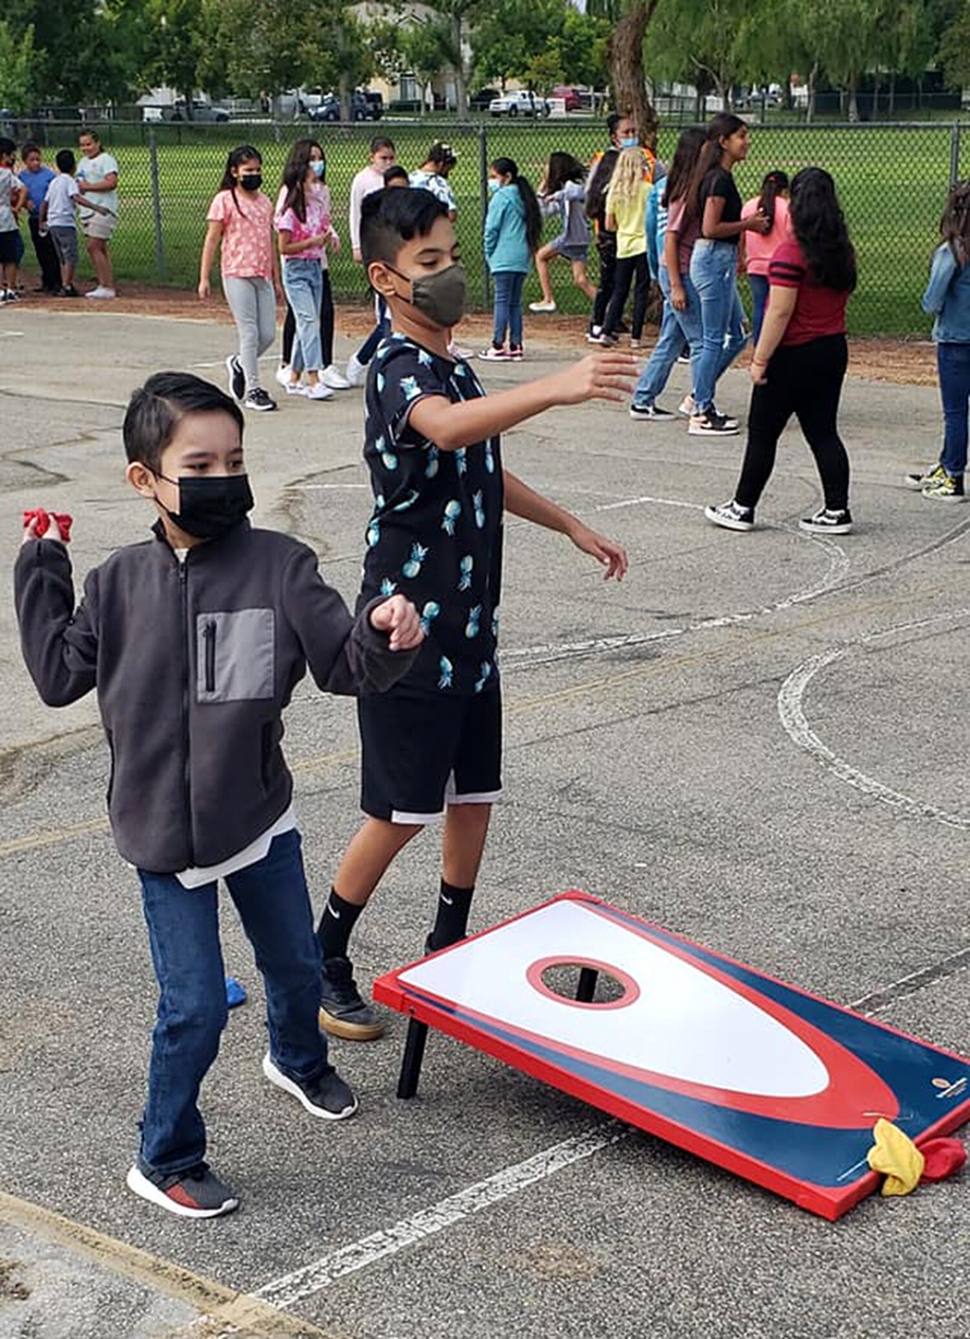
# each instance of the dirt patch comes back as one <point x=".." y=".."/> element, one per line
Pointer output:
<point x="11" y="1289"/>
<point x="903" y="362"/>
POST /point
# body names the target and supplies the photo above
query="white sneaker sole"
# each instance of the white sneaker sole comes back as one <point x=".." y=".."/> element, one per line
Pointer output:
<point x="943" y="497"/>
<point x="147" y="1190"/>
<point x="825" y="529"/>
<point x="277" y="1077"/>
<point x="694" y="431"/>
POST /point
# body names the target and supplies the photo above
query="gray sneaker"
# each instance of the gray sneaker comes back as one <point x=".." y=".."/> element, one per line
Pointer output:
<point x="343" y="1013"/>
<point x="327" y="1095"/>
<point x="194" y="1193"/>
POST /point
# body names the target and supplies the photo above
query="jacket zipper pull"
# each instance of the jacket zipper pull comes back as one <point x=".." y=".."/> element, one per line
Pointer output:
<point x="209" y="638"/>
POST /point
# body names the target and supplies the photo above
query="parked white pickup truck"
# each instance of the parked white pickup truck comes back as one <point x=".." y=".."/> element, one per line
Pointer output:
<point x="520" y="103"/>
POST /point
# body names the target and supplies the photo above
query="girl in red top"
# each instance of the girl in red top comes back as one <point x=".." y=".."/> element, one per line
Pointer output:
<point x="799" y="364"/>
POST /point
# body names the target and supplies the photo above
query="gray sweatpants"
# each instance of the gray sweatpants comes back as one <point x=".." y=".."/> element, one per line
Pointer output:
<point x="253" y="305"/>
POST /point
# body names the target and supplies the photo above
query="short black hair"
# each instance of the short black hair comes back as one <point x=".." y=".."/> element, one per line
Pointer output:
<point x="381" y="142"/>
<point x="30" y="147"/>
<point x="156" y="409"/>
<point x="389" y="218"/>
<point x="65" y="160"/>
<point x="7" y="147"/>
<point x="396" y="173"/>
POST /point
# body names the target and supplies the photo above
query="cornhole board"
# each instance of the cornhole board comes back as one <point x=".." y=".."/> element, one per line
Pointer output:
<point x="759" y="1077"/>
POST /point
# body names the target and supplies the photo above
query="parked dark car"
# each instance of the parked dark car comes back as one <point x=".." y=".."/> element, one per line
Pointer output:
<point x="478" y="102"/>
<point x="366" y="106"/>
<point x="202" y="111"/>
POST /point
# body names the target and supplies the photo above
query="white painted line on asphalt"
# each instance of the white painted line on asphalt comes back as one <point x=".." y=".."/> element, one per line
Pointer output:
<point x="792" y="717"/>
<point x="319" y="1274"/>
<point x="518" y="657"/>
<point x="11" y="334"/>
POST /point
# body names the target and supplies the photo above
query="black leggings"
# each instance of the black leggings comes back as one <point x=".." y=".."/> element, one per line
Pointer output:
<point x="606" y="249"/>
<point x="628" y="268"/>
<point x="326" y="326"/>
<point x="804" y="380"/>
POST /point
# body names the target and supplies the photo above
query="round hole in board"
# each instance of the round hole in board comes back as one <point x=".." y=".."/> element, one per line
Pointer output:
<point x="558" y="978"/>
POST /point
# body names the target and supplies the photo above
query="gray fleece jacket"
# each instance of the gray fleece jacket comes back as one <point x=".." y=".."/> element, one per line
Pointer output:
<point x="194" y="663"/>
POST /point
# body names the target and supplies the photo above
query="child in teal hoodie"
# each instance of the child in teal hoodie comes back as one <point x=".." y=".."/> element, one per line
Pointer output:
<point x="513" y="230"/>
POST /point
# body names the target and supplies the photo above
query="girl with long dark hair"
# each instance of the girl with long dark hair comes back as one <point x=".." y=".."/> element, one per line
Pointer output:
<point x="668" y="253"/>
<point x="562" y="191"/>
<point x="240" y="221"/>
<point x="757" y="248"/>
<point x="947" y="297"/>
<point x="513" y="232"/>
<point x="713" y="200"/>
<point x="305" y="230"/>
<point x="800" y="360"/>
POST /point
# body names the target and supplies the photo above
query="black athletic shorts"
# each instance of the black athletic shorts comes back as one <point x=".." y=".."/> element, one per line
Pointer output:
<point x="423" y="751"/>
<point x="8" y="247"/>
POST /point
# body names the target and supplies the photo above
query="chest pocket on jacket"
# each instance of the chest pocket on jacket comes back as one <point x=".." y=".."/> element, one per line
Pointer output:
<point x="235" y="654"/>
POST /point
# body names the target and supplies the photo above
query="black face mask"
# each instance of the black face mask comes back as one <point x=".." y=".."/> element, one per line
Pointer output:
<point x="210" y="507"/>
<point x="251" y="181"/>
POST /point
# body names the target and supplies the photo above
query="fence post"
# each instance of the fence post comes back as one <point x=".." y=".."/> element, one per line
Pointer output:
<point x="156" y="209"/>
<point x="483" y="193"/>
<point x="954" y="153"/>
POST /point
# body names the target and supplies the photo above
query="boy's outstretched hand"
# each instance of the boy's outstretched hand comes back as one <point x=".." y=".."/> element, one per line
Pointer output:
<point x="38" y="522"/>
<point x="609" y="554"/>
<point x="399" y="619"/>
<point x="609" y="375"/>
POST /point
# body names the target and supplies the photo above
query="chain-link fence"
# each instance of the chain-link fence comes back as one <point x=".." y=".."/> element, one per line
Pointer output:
<point x="892" y="181"/>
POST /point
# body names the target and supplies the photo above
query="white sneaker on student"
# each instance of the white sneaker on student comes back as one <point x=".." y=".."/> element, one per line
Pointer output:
<point x="100" y="292"/>
<point x="356" y="372"/>
<point x="542" y="307"/>
<point x="282" y="374"/>
<point x="318" y="391"/>
<point x="333" y="377"/>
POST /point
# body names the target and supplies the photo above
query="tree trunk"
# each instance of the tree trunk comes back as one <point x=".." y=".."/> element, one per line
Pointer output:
<point x="812" y="83"/>
<point x="853" y="101"/>
<point x="787" y="96"/>
<point x="624" y="50"/>
<point x="892" y="94"/>
<point x="461" y="74"/>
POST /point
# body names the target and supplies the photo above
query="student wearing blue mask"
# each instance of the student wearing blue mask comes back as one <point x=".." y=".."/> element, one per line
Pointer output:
<point x="513" y="233"/>
<point x="305" y="195"/>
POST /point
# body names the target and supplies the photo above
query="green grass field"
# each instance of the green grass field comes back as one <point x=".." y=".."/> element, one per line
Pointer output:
<point x="892" y="180"/>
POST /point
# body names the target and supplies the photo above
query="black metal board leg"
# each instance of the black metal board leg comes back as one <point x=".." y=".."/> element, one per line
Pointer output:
<point x="407" y="1084"/>
<point x="587" y="985"/>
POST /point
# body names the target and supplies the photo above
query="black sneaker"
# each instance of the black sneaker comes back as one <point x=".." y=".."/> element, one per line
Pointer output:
<point x="237" y="378"/>
<point x="731" y="422"/>
<point x="342" y="1011"/>
<point x="194" y="1193"/>
<point x="731" y="516"/>
<point x="650" y="413"/>
<point x="259" y="401"/>
<point x="326" y="1096"/>
<point x="711" y="424"/>
<point x="933" y="474"/>
<point x="68" y="291"/>
<point x="826" y="522"/>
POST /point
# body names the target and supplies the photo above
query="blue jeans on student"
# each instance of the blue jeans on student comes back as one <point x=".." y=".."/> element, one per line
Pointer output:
<point x="369" y="347"/>
<point x="303" y="285"/>
<point x="508" y="306"/>
<point x="183" y="930"/>
<point x="666" y="351"/>
<point x="713" y="272"/>
<point x="953" y="362"/>
<point x="759" y="300"/>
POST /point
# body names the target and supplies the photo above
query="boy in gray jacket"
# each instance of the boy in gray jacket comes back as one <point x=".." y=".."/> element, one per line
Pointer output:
<point x="195" y="641"/>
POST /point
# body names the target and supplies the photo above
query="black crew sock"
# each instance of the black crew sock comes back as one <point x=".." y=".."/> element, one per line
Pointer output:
<point x="451" y="922"/>
<point x="338" y="919"/>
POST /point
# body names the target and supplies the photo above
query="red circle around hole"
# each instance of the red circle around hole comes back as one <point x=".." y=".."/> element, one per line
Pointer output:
<point x="631" y="991"/>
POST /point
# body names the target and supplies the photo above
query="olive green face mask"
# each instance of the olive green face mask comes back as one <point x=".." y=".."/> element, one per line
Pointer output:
<point x="441" y="296"/>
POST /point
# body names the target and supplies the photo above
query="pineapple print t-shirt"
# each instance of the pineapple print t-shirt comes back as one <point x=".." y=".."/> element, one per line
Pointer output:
<point x="436" y="531"/>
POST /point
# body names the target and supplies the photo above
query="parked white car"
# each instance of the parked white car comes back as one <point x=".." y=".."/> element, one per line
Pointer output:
<point x="519" y="103"/>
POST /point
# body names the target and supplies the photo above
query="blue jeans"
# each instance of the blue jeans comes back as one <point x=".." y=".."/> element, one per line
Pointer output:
<point x="759" y="300"/>
<point x="666" y="351"/>
<point x="953" y="362"/>
<point x="713" y="272"/>
<point x="508" y="306"/>
<point x="183" y="930"/>
<point x="303" y="284"/>
<point x="369" y="347"/>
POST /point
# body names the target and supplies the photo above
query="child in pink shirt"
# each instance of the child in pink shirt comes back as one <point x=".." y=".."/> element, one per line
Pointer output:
<point x="760" y="247"/>
<point x="305" y="230"/>
<point x="240" y="218"/>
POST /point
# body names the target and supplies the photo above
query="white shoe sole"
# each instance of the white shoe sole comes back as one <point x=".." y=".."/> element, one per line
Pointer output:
<point x="742" y="527"/>
<point x="147" y="1190"/>
<point x="693" y="431"/>
<point x="944" y="497"/>
<point x="652" y="418"/>
<point x="825" y="529"/>
<point x="277" y="1077"/>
